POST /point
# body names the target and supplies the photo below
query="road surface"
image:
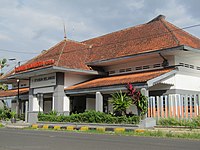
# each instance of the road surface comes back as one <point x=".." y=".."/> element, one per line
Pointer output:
<point x="13" y="139"/>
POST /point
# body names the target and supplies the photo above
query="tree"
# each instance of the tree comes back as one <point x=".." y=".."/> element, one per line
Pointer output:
<point x="120" y="103"/>
<point x="2" y="64"/>
<point x="3" y="87"/>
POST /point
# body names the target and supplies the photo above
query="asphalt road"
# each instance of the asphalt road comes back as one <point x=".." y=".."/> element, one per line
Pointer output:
<point x="13" y="139"/>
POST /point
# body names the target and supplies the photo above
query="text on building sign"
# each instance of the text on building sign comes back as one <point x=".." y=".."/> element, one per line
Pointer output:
<point x="35" y="65"/>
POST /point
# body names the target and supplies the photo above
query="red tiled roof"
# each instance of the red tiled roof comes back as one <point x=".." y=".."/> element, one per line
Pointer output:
<point x="140" y="77"/>
<point x="154" y="35"/>
<point x="67" y="53"/>
<point x="14" y="92"/>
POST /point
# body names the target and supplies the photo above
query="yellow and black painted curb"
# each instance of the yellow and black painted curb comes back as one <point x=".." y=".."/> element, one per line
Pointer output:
<point x="83" y="128"/>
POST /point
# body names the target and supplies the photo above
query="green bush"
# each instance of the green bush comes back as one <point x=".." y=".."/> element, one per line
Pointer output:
<point x="193" y="123"/>
<point x="5" y="114"/>
<point x="90" y="117"/>
<point x="1" y="126"/>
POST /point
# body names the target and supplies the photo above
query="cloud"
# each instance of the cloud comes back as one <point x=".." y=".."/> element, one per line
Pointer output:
<point x="37" y="25"/>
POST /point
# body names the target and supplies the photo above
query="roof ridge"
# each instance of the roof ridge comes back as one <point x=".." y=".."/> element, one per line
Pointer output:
<point x="78" y="42"/>
<point x="46" y="51"/>
<point x="174" y="37"/>
<point x="158" y="18"/>
<point x="61" y="52"/>
<point x="182" y="29"/>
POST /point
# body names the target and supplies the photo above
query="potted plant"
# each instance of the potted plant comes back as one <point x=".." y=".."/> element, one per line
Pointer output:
<point x="13" y="116"/>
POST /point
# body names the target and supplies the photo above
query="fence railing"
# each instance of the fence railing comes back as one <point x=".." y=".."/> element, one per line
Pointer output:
<point x="174" y="105"/>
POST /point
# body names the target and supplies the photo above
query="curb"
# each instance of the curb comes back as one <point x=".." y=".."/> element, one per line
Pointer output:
<point x="81" y="128"/>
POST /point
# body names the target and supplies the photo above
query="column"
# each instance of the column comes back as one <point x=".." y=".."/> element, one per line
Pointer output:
<point x="40" y="101"/>
<point x="99" y="102"/>
<point x="26" y="111"/>
<point x="33" y="107"/>
<point x="145" y="92"/>
<point x="59" y="94"/>
<point x="66" y="105"/>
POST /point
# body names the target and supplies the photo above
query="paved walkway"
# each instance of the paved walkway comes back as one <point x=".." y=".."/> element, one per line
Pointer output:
<point x="17" y="125"/>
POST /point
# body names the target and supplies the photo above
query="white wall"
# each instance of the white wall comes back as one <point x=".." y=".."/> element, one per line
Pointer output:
<point x="151" y="60"/>
<point x="184" y="81"/>
<point x="35" y="104"/>
<point x="71" y="79"/>
<point x="21" y="84"/>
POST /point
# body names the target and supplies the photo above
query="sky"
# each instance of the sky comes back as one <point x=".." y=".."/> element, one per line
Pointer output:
<point x="27" y="27"/>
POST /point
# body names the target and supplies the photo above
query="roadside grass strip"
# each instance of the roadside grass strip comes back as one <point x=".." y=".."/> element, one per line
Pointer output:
<point x="70" y="128"/>
<point x="119" y="130"/>
<point x="122" y="131"/>
<point x="84" y="128"/>
<point x="34" y="126"/>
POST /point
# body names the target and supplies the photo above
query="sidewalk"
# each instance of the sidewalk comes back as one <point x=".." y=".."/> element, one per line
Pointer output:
<point x="17" y="125"/>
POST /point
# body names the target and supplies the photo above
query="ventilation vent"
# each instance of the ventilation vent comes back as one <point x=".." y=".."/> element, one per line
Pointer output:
<point x="122" y="70"/>
<point x="112" y="72"/>
<point x="187" y="65"/>
<point x="138" y="68"/>
<point x="156" y="65"/>
<point x="145" y="67"/>
<point x="192" y="66"/>
<point x="181" y="64"/>
<point x="128" y="69"/>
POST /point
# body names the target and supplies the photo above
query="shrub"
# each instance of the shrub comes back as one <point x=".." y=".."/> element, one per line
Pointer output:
<point x="1" y="125"/>
<point x="5" y="114"/>
<point x="90" y="117"/>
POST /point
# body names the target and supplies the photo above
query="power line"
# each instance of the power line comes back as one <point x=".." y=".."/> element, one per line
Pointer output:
<point x="5" y="50"/>
<point x="122" y="41"/>
<point x="131" y="39"/>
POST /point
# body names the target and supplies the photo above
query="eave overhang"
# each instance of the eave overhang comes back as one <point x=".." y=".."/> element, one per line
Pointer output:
<point x="103" y="89"/>
<point x="160" y="78"/>
<point x="147" y="53"/>
<point x="51" y="69"/>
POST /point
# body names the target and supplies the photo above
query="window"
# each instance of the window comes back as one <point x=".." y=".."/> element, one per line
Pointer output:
<point x="198" y="68"/>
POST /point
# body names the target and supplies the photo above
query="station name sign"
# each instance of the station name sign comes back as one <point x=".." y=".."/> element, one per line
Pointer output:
<point x="35" y="65"/>
<point x="43" y="81"/>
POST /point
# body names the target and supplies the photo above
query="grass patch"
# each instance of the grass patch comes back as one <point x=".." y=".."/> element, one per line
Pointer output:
<point x="192" y="123"/>
<point x="168" y="134"/>
<point x="1" y="126"/>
